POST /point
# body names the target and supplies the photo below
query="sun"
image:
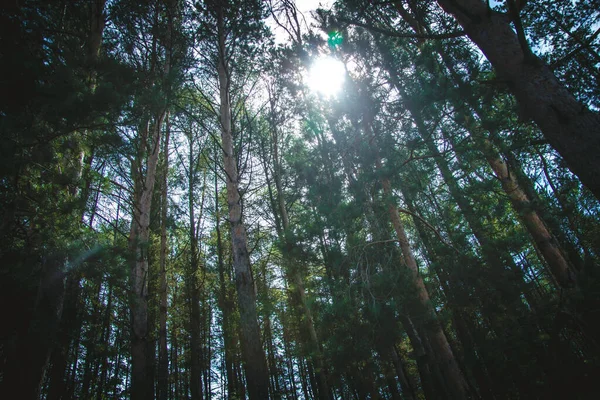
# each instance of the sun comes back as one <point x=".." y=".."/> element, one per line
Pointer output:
<point x="326" y="76"/>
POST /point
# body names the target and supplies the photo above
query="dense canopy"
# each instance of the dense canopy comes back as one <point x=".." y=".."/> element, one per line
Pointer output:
<point x="231" y="199"/>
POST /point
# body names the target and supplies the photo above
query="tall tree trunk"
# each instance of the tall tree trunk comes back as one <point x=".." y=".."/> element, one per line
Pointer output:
<point x="105" y="338"/>
<point x="407" y="386"/>
<point x="543" y="239"/>
<point x="570" y="127"/>
<point x="68" y="327"/>
<point x="257" y="375"/>
<point x="193" y="284"/>
<point x="442" y="352"/>
<point x="175" y="359"/>
<point x="163" y="360"/>
<point x="138" y="242"/>
<point x="293" y="271"/>
<point x="92" y="338"/>
<point x="224" y="302"/>
<point x="537" y="228"/>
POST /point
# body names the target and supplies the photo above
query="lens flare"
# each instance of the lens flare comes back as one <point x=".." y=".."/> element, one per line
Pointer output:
<point x="326" y="76"/>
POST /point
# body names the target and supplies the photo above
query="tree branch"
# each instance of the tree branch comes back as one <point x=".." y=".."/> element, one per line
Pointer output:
<point x="428" y="225"/>
<point x="449" y="35"/>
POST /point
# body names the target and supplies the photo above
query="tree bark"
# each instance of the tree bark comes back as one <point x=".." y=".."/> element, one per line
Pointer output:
<point x="138" y="242"/>
<point x="548" y="247"/>
<point x="543" y="239"/>
<point x="193" y="285"/>
<point x="570" y="127"/>
<point x="224" y="303"/>
<point x="442" y="352"/>
<point x="68" y="327"/>
<point x="257" y="375"/>
<point x="163" y="360"/>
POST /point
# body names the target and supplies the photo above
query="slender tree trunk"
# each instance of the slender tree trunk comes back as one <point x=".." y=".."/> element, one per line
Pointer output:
<point x="571" y="128"/>
<point x="224" y="303"/>
<point x="543" y="239"/>
<point x="439" y="343"/>
<point x="408" y="387"/>
<point x="69" y="324"/>
<point x="72" y="373"/>
<point x="294" y="271"/>
<point x="193" y="286"/>
<point x="495" y="257"/>
<point x="92" y="338"/>
<point x="257" y="375"/>
<point x="163" y="360"/>
<point x="175" y="360"/>
<point x="105" y="338"/>
<point x="138" y="241"/>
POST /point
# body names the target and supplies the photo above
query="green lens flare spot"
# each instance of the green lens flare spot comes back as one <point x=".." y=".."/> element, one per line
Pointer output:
<point x="334" y="39"/>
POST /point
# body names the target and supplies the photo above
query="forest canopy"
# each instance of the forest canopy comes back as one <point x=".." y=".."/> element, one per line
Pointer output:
<point x="246" y="199"/>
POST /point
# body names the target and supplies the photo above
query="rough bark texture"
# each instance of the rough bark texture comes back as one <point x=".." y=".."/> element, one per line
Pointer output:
<point x="138" y="242"/>
<point x="541" y="235"/>
<point x="257" y="375"/>
<point x="441" y="348"/>
<point x="571" y="128"/>
<point x="543" y="239"/>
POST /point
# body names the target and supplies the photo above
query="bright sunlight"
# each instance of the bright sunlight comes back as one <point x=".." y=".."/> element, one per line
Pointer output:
<point x="326" y="76"/>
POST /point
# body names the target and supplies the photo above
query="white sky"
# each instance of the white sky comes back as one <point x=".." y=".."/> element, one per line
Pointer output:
<point x="305" y="7"/>
<point x="308" y="5"/>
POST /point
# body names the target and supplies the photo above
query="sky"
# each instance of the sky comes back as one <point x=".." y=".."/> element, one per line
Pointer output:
<point x="305" y="7"/>
<point x="308" y="5"/>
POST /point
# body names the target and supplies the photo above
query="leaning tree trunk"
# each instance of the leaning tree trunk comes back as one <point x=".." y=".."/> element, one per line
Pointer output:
<point x="570" y="127"/>
<point x="445" y="359"/>
<point x="257" y="375"/>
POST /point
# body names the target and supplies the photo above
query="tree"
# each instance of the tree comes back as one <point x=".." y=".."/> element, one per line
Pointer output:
<point x="569" y="126"/>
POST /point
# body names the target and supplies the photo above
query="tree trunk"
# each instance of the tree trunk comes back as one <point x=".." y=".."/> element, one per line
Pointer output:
<point x="138" y="242"/>
<point x="442" y="352"/>
<point x="163" y="360"/>
<point x="293" y="271"/>
<point x="68" y="328"/>
<point x="543" y="239"/>
<point x="193" y="285"/>
<point x="224" y="303"/>
<point x="257" y="374"/>
<point x="571" y="128"/>
<point x="105" y="338"/>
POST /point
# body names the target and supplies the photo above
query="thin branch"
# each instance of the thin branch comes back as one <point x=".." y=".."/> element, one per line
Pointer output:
<point x="449" y="35"/>
<point x="428" y="225"/>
